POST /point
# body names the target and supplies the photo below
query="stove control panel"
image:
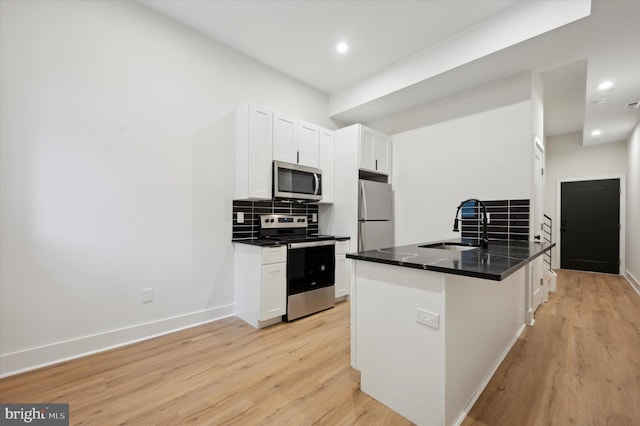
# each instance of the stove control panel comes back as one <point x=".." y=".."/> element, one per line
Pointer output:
<point x="279" y="221"/>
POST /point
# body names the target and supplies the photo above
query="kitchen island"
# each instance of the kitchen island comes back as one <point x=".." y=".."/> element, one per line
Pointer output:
<point x="431" y="322"/>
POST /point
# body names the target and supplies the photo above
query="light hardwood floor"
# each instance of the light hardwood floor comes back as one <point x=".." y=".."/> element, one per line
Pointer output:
<point x="220" y="373"/>
<point x="579" y="365"/>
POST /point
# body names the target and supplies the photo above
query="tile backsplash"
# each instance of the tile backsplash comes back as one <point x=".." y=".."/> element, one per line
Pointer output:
<point x="253" y="209"/>
<point x="508" y="220"/>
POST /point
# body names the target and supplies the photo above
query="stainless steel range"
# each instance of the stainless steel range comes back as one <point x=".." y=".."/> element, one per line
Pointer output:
<point x="310" y="264"/>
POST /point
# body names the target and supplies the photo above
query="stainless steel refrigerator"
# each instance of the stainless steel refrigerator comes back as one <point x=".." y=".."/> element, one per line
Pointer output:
<point x="375" y="215"/>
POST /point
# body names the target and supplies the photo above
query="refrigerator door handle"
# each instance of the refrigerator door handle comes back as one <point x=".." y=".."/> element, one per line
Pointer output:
<point x="363" y="201"/>
<point x="361" y="236"/>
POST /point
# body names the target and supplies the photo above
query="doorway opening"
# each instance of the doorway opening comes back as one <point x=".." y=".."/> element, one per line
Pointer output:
<point x="590" y="225"/>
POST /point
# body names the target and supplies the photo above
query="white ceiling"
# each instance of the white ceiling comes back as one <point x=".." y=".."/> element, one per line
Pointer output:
<point x="300" y="37"/>
<point x="406" y="53"/>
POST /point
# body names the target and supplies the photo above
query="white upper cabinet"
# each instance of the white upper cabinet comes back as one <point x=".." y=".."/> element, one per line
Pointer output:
<point x="326" y="164"/>
<point x="285" y="138"/>
<point x="382" y="149"/>
<point x="295" y="141"/>
<point x="375" y="151"/>
<point x="308" y="144"/>
<point x="367" y="156"/>
<point x="263" y="135"/>
<point x="254" y="146"/>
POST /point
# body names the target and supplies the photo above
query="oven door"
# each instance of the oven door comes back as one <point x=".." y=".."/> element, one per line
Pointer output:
<point x="310" y="266"/>
<point x="292" y="181"/>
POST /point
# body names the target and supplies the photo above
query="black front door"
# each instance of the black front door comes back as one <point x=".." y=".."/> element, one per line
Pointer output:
<point x="590" y="225"/>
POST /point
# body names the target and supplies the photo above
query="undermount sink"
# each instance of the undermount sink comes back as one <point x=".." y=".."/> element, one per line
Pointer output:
<point x="450" y="246"/>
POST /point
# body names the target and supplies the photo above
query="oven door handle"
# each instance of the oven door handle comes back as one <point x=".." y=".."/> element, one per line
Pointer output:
<point x="294" y="246"/>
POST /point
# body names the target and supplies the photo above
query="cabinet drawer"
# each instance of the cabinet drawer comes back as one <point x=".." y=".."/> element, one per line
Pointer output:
<point x="342" y="247"/>
<point x="274" y="255"/>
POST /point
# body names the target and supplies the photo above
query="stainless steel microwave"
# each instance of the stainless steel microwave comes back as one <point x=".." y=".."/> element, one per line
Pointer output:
<point x="296" y="182"/>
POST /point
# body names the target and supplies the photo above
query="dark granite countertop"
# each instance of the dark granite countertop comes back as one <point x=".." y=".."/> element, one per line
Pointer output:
<point x="498" y="261"/>
<point x="262" y="242"/>
<point x="268" y="242"/>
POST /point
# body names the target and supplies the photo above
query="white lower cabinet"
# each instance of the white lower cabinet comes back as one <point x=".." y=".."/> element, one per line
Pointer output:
<point x="260" y="284"/>
<point x="274" y="291"/>
<point x="343" y="270"/>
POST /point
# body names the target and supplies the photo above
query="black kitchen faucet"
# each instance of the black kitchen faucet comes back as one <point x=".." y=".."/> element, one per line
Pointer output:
<point x="484" y="243"/>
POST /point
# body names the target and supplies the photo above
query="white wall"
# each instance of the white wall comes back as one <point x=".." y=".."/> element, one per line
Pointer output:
<point x="486" y="155"/>
<point x="567" y="159"/>
<point x="632" y="251"/>
<point x="114" y="174"/>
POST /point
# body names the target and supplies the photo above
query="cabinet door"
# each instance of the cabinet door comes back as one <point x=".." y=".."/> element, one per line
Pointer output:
<point x="382" y="149"/>
<point x="367" y="155"/>
<point x="308" y="144"/>
<point x="342" y="275"/>
<point x="260" y="151"/>
<point x="274" y="291"/>
<point x="326" y="165"/>
<point x="285" y="138"/>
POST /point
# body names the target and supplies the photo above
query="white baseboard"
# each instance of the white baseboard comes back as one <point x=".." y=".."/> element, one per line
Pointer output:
<point x="633" y="281"/>
<point x="42" y="356"/>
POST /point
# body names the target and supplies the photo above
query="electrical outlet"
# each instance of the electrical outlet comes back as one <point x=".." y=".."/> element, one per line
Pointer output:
<point x="240" y="217"/>
<point x="428" y="318"/>
<point x="147" y="295"/>
<point x="314" y="217"/>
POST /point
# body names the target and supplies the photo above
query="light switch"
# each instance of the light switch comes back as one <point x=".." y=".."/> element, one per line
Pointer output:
<point x="240" y="217"/>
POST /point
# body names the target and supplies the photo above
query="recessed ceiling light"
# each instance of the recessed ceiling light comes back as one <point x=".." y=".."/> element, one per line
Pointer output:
<point x="342" y="47"/>
<point x="596" y="133"/>
<point x="605" y="85"/>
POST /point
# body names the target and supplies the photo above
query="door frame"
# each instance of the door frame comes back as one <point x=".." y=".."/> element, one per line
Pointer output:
<point x="555" y="261"/>
<point x="537" y="290"/>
